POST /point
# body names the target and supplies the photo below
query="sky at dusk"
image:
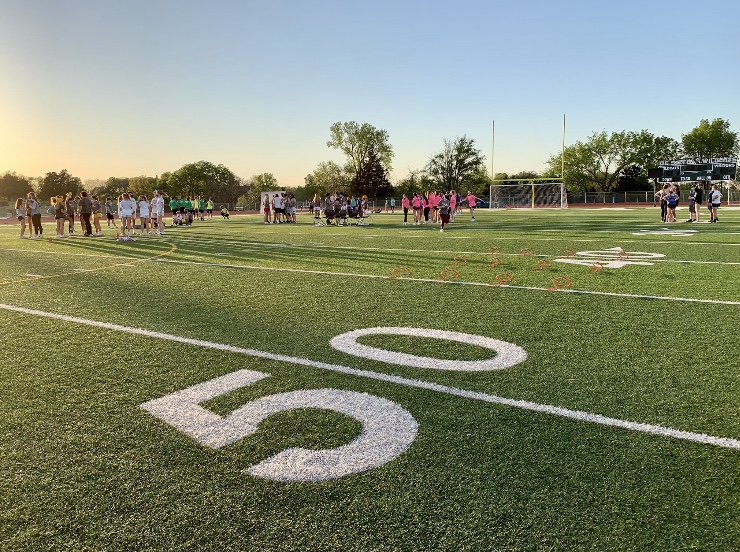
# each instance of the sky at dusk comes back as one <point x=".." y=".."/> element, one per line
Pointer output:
<point x="106" y="88"/>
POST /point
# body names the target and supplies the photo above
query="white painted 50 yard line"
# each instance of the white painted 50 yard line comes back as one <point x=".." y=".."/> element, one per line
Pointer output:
<point x="702" y="438"/>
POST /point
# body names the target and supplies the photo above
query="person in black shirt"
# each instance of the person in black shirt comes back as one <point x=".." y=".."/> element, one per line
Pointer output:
<point x="698" y="199"/>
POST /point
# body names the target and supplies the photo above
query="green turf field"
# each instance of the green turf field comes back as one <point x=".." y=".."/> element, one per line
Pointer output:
<point x="536" y="380"/>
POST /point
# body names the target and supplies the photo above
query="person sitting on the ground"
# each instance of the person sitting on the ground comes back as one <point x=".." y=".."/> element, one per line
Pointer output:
<point x="224" y="212"/>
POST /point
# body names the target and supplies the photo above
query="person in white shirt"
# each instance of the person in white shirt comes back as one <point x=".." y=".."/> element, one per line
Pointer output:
<point x="144" y="215"/>
<point x="713" y="201"/>
<point x="158" y="211"/>
<point x="125" y="209"/>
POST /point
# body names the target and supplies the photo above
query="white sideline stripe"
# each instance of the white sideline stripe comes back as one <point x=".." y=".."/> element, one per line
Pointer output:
<point x="66" y="253"/>
<point x="453" y="282"/>
<point x="440" y="251"/>
<point x="702" y="438"/>
<point x="675" y="261"/>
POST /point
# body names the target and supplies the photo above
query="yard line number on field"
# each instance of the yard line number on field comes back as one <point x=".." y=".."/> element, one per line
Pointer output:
<point x="388" y="428"/>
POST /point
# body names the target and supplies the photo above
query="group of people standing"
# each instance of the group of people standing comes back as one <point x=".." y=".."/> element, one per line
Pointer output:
<point x="65" y="208"/>
<point x="437" y="207"/>
<point x="196" y="206"/>
<point x="669" y="197"/>
<point x="151" y="213"/>
<point x="279" y="208"/>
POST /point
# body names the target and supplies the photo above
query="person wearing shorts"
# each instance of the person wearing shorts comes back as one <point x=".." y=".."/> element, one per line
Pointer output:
<point x="698" y="200"/>
<point x="109" y="212"/>
<point x="316" y="207"/>
<point x="277" y="205"/>
<point x="96" y="209"/>
<point x="293" y="208"/>
<point x="58" y="204"/>
<point x="144" y="215"/>
<point x="125" y="207"/>
<point x="158" y="211"/>
<point x="471" y="205"/>
<point x="20" y="212"/>
<point x="209" y="208"/>
<point x="416" y="204"/>
<point x="713" y="202"/>
<point x="266" y="208"/>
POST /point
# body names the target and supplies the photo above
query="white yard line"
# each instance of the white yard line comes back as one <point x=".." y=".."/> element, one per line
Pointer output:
<point x="451" y="282"/>
<point x="579" y="415"/>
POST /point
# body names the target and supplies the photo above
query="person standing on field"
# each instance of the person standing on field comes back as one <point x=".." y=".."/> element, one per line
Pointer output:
<point x="713" y="202"/>
<point x="85" y="206"/>
<point x="444" y="212"/>
<point x="20" y="212"/>
<point x="109" y="213"/>
<point x="698" y="199"/>
<point x="158" y="210"/>
<point x="33" y="212"/>
<point x="471" y="205"/>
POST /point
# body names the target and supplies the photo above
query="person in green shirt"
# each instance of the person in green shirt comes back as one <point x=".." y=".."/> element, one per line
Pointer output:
<point x="209" y="208"/>
<point x="201" y="207"/>
<point x="173" y="204"/>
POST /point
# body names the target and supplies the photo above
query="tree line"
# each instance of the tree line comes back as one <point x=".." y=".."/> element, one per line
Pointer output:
<point x="603" y="162"/>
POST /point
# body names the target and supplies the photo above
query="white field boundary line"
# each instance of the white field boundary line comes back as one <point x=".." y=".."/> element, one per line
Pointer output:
<point x="133" y="257"/>
<point x="702" y="438"/>
<point x="453" y="282"/>
<point x="99" y="256"/>
<point x="269" y="245"/>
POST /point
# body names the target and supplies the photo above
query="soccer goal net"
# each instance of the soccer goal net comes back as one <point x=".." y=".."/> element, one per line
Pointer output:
<point x="528" y="194"/>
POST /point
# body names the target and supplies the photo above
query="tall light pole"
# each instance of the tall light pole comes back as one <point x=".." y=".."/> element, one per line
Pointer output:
<point x="493" y="174"/>
<point x="493" y="144"/>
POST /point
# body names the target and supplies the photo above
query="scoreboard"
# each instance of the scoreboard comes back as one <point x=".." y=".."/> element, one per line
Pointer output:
<point x="696" y="169"/>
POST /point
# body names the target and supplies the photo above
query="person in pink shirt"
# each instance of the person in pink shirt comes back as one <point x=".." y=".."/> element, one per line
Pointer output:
<point x="426" y="203"/>
<point x="453" y="204"/>
<point x="405" y="206"/>
<point x="471" y="203"/>
<point x="436" y="197"/>
<point x="416" y="204"/>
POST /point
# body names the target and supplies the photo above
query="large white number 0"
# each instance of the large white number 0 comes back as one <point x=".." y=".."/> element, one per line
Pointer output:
<point x="387" y="429"/>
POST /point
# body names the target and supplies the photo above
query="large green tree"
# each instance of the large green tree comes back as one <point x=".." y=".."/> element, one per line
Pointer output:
<point x="265" y="182"/>
<point x="601" y="160"/>
<point x="327" y="177"/>
<point x="457" y="166"/>
<point x="356" y="141"/>
<point x="205" y="179"/>
<point x="143" y="185"/>
<point x="61" y="183"/>
<point x="371" y="180"/>
<point x="14" y="186"/>
<point x="115" y="186"/>
<point x="709" y="140"/>
<point x="416" y="181"/>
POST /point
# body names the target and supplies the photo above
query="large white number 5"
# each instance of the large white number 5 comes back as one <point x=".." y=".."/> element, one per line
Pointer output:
<point x="387" y="429"/>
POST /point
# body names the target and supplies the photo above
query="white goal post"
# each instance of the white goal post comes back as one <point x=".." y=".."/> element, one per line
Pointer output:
<point x="530" y="192"/>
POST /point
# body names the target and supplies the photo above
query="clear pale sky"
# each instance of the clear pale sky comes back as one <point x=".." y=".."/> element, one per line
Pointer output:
<point x="134" y="87"/>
